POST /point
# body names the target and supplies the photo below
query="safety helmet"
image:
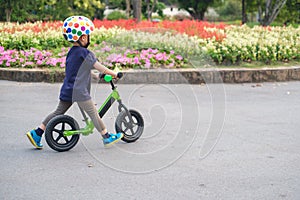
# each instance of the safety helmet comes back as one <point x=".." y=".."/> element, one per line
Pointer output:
<point x="76" y="26"/>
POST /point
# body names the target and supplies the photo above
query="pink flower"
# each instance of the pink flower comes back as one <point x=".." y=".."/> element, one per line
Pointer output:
<point x="11" y="52"/>
<point x="61" y="54"/>
<point x="38" y="55"/>
<point x="39" y="62"/>
<point x="154" y="51"/>
<point x="29" y="63"/>
<point x="147" y="65"/>
<point x="27" y="54"/>
<point x="179" y="57"/>
<point x="136" y="61"/>
<point x="48" y="54"/>
<point x="171" y="65"/>
<point x="165" y="57"/>
<point x="159" y="56"/>
<point x="7" y="64"/>
<point x="114" y="57"/>
<point x="106" y="49"/>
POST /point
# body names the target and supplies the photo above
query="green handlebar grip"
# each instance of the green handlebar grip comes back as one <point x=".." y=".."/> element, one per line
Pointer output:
<point x="108" y="78"/>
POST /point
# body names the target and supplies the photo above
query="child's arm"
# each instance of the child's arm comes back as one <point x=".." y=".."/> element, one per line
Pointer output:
<point x="102" y="69"/>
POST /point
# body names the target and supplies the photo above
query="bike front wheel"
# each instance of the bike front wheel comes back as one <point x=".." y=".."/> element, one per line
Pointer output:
<point x="131" y="126"/>
<point x="54" y="133"/>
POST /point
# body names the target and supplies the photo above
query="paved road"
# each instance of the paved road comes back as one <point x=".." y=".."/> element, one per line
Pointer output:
<point x="254" y="130"/>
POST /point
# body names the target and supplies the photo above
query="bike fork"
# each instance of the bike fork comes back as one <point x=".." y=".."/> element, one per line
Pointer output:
<point x="122" y="107"/>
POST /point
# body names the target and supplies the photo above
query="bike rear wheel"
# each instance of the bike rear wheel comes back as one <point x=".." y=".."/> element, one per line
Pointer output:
<point x="132" y="129"/>
<point x="54" y="133"/>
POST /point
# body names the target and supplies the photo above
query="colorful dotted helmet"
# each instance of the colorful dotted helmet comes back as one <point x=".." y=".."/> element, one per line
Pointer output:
<point x="76" y="26"/>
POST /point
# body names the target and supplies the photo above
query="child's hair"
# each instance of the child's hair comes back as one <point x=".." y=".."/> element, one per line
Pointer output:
<point x="76" y="26"/>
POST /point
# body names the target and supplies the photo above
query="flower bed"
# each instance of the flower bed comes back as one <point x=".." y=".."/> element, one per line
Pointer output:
<point x="126" y="58"/>
<point x="144" y="58"/>
<point x="256" y="44"/>
<point x="149" y="44"/>
<point x="31" y="58"/>
<point x="191" y="28"/>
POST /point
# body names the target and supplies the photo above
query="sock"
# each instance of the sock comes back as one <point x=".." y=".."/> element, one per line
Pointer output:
<point x="106" y="135"/>
<point x="39" y="131"/>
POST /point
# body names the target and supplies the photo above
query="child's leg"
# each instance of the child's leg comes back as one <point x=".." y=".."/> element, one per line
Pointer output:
<point x="90" y="108"/>
<point x="61" y="109"/>
<point x="35" y="135"/>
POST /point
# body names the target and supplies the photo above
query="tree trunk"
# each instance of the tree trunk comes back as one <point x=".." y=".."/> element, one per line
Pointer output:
<point x="197" y="15"/>
<point x="8" y="12"/>
<point x="128" y="8"/>
<point x="137" y="10"/>
<point x="271" y="11"/>
<point x="150" y="9"/>
<point x="259" y="13"/>
<point x="244" y="15"/>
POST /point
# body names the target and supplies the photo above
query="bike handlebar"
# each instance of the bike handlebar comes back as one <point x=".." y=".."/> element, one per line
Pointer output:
<point x="109" y="78"/>
<point x="120" y="75"/>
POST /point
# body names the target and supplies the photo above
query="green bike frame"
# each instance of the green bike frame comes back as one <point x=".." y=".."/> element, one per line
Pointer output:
<point x="89" y="127"/>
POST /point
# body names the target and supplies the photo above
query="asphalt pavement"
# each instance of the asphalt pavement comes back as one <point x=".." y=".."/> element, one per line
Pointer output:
<point x="214" y="141"/>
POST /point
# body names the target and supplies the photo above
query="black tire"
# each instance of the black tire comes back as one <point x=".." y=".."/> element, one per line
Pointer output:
<point x="131" y="132"/>
<point x="54" y="133"/>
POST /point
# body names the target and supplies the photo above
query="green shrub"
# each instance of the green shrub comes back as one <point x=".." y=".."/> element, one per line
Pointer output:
<point x="115" y="15"/>
<point x="229" y="11"/>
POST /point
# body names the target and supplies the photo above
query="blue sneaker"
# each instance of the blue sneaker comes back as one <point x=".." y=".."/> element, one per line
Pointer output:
<point x="112" y="139"/>
<point x="34" y="139"/>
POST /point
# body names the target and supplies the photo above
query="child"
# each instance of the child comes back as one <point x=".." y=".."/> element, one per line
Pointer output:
<point x="76" y="86"/>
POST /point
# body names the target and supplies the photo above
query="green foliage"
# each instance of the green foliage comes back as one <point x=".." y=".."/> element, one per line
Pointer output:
<point x="158" y="8"/>
<point x="34" y="10"/>
<point x="197" y="8"/>
<point x="26" y="42"/>
<point x="115" y="15"/>
<point x="121" y="4"/>
<point x="290" y="13"/>
<point x="230" y="10"/>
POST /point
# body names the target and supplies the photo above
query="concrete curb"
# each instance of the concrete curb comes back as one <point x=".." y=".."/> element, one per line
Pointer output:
<point x="169" y="76"/>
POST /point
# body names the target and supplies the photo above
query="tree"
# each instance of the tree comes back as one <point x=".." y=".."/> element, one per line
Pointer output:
<point x="244" y="15"/>
<point x="196" y="8"/>
<point x="229" y="10"/>
<point x="8" y="10"/>
<point x="137" y="10"/>
<point x="127" y="8"/>
<point x="24" y="10"/>
<point x="150" y="8"/>
<point x="290" y="13"/>
<point x="248" y="6"/>
<point x="267" y="13"/>
<point x="11" y="7"/>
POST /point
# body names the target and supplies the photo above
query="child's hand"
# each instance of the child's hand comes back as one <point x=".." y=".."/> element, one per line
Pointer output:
<point x="115" y="75"/>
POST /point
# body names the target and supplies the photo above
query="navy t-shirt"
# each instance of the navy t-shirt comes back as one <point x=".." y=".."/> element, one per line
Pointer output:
<point x="77" y="83"/>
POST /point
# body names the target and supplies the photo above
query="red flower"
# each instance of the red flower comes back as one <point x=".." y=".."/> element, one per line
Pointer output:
<point x="189" y="27"/>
